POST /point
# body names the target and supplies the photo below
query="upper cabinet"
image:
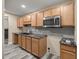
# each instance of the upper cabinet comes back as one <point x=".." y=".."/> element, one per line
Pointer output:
<point x="56" y="11"/>
<point x="40" y="19"/>
<point x="20" y="22"/>
<point x="27" y="19"/>
<point x="48" y="13"/>
<point x="33" y="19"/>
<point x="67" y="15"/>
<point x="36" y="19"/>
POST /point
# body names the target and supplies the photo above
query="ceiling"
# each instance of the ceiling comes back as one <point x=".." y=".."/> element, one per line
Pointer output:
<point x="14" y="6"/>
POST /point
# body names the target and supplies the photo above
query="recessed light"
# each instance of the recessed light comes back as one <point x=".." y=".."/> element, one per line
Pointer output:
<point x="23" y="6"/>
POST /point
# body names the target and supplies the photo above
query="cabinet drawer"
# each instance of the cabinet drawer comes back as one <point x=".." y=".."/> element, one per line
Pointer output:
<point x="68" y="48"/>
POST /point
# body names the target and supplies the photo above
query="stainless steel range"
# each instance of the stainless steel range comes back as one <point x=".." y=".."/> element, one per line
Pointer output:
<point x="68" y="41"/>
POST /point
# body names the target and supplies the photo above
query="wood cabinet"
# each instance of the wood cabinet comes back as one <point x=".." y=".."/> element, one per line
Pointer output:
<point x="40" y="19"/>
<point x="33" y="19"/>
<point x="20" y="40"/>
<point x="35" y="46"/>
<point x="27" y="19"/>
<point x="48" y="13"/>
<point x="42" y="46"/>
<point x="20" y="22"/>
<point x="15" y="38"/>
<point x="28" y="44"/>
<point x="67" y="55"/>
<point x="56" y="11"/>
<point x="39" y="46"/>
<point x="68" y="52"/>
<point x="67" y="15"/>
<point x="23" y="42"/>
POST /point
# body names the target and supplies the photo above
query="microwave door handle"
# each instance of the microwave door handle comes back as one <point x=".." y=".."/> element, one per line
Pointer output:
<point x="59" y="22"/>
<point x="54" y="21"/>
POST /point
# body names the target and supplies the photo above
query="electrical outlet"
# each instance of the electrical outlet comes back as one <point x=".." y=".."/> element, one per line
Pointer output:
<point x="48" y="49"/>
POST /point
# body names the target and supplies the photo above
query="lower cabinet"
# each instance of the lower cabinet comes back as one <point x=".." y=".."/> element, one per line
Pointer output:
<point x="39" y="46"/>
<point x="68" y="52"/>
<point x="28" y="44"/>
<point x="15" y="38"/>
<point x="35" y="46"/>
<point x="67" y="55"/>
<point x="23" y="42"/>
<point x="42" y="46"/>
<point x="19" y="40"/>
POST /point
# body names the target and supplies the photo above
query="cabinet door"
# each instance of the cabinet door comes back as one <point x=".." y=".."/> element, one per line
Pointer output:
<point x="56" y="11"/>
<point x="21" y="22"/>
<point x="48" y="13"/>
<point x="25" y="19"/>
<point x="40" y="19"/>
<point x="19" y="40"/>
<point x="28" y="17"/>
<point x="33" y="19"/>
<point x="35" y="48"/>
<point x="42" y="46"/>
<point x="67" y="55"/>
<point x="18" y="22"/>
<point x="67" y="15"/>
<point x="28" y="44"/>
<point x="15" y="38"/>
<point x="23" y="42"/>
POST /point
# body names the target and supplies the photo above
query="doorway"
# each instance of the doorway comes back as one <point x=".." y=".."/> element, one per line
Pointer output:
<point x="5" y="29"/>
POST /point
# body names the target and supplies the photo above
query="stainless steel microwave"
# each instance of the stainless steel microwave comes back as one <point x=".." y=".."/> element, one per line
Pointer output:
<point x="52" y="21"/>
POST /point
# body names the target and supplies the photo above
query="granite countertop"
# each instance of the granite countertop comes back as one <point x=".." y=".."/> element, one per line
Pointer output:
<point x="69" y="45"/>
<point x="53" y="34"/>
<point x="45" y="34"/>
<point x="38" y="36"/>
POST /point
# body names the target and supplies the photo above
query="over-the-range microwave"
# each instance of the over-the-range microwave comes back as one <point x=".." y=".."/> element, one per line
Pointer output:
<point x="51" y="21"/>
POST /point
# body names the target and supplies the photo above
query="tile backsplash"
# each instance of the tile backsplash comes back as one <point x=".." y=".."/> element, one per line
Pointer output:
<point x="50" y="31"/>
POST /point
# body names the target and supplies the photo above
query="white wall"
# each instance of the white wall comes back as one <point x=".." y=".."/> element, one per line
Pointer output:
<point x="12" y="25"/>
<point x="53" y="42"/>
